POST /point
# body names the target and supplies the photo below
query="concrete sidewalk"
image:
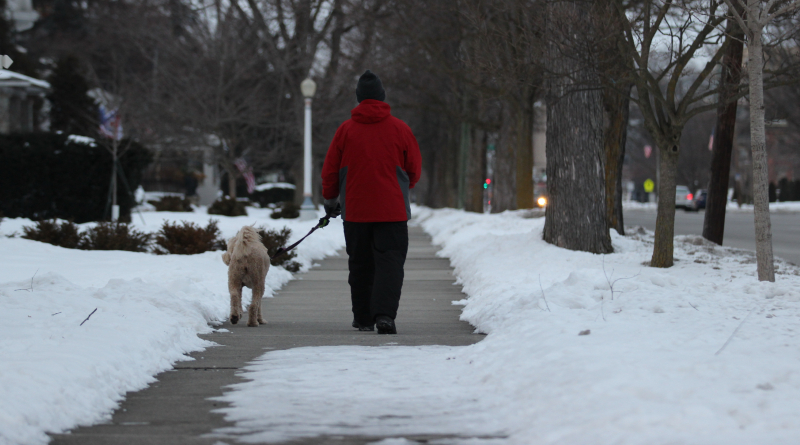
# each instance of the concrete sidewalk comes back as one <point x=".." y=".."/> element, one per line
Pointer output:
<point x="313" y="310"/>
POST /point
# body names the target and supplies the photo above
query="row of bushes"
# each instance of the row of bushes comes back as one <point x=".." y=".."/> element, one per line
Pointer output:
<point x="225" y="206"/>
<point x="185" y="238"/>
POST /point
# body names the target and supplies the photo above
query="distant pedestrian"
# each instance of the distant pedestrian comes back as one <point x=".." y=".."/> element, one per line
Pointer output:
<point x="371" y="164"/>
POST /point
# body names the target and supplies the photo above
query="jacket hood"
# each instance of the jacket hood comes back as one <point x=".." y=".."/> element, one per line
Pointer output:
<point x="371" y="111"/>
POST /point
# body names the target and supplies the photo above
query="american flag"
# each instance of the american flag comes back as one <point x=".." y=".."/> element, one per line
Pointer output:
<point x="110" y="123"/>
<point x="711" y="141"/>
<point x="247" y="173"/>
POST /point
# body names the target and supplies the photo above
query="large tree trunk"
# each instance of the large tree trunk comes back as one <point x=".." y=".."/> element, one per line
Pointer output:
<point x="476" y="172"/>
<point x="764" y="257"/>
<point x="524" y="162"/>
<point x="617" y="110"/>
<point x="724" y="132"/>
<point x="504" y="187"/>
<point x="576" y="215"/>
<point x="464" y="146"/>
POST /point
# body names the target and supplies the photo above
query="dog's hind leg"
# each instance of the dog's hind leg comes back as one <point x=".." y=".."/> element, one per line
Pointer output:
<point x="235" y="288"/>
<point x="260" y="302"/>
<point x="254" y="311"/>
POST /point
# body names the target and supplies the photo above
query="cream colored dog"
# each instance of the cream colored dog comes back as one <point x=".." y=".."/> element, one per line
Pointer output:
<point x="248" y="263"/>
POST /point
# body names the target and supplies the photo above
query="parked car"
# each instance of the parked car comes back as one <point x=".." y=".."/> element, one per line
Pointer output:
<point x="683" y="198"/>
<point x="699" y="201"/>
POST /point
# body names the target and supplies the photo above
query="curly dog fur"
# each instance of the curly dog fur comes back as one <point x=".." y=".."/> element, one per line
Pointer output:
<point x="248" y="263"/>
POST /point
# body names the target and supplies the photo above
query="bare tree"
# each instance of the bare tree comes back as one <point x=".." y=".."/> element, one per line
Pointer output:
<point x="509" y="49"/>
<point x="753" y="17"/>
<point x="663" y="38"/>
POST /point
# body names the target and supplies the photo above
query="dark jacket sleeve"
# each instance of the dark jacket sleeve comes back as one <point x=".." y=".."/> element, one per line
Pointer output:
<point x="330" y="169"/>
<point x="413" y="160"/>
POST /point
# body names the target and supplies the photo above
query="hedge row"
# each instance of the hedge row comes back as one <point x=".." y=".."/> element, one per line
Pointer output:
<point x="47" y="175"/>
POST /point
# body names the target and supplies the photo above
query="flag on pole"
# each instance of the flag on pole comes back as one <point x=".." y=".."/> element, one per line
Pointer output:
<point x="247" y="173"/>
<point x="110" y="123"/>
<point x="711" y="141"/>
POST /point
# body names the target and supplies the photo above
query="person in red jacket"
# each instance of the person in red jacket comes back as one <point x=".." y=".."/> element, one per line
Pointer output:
<point x="372" y="163"/>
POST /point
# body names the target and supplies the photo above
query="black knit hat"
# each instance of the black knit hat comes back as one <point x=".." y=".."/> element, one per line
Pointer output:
<point x="370" y="87"/>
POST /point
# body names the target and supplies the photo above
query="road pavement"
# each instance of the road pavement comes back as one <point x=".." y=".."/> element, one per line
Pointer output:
<point x="739" y="229"/>
<point x="313" y="310"/>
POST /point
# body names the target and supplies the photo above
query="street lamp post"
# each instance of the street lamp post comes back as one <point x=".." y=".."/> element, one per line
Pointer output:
<point x="307" y="211"/>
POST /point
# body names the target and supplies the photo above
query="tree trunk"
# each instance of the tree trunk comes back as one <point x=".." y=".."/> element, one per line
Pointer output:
<point x="576" y="215"/>
<point x="764" y="257"/>
<point x="464" y="145"/>
<point x="665" y="219"/>
<point x="524" y="162"/>
<point x="231" y="182"/>
<point x="504" y="187"/>
<point x="724" y="132"/>
<point x="476" y="172"/>
<point x="617" y="109"/>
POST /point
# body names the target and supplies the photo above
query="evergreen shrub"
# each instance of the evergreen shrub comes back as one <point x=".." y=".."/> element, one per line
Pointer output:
<point x="287" y="210"/>
<point x="273" y="240"/>
<point x="272" y="196"/>
<point x="172" y="204"/>
<point x="114" y="236"/>
<point x="46" y="176"/>
<point x="51" y="232"/>
<point x="227" y="206"/>
<point x="188" y="238"/>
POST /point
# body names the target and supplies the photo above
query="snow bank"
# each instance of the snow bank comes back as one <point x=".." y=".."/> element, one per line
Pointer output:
<point x="582" y="348"/>
<point x="58" y="374"/>
<point x="652" y="369"/>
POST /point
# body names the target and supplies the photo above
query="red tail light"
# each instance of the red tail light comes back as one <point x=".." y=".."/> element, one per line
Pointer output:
<point x="689" y="196"/>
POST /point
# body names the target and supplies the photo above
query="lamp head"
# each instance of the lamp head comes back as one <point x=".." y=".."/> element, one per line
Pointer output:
<point x="308" y="87"/>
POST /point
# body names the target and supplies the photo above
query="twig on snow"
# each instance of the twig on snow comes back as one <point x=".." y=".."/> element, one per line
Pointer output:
<point x="87" y="318"/>
<point x="31" y="288"/>
<point x="543" y="297"/>
<point x="612" y="283"/>
<point x="55" y="314"/>
<point x="735" y="331"/>
<point x="695" y="307"/>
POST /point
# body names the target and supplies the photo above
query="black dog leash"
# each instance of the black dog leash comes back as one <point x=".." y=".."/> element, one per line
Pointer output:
<point x="283" y="250"/>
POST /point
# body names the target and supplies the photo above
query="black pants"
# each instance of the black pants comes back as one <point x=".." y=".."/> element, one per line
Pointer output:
<point x="377" y="254"/>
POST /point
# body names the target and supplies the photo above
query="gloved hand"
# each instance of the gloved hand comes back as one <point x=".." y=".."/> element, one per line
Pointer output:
<point x="332" y="207"/>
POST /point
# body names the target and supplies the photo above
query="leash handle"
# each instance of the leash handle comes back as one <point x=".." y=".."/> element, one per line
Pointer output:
<point x="284" y="250"/>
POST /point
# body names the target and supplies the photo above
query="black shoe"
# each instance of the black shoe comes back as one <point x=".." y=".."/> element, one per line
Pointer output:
<point x="362" y="327"/>
<point x="385" y="325"/>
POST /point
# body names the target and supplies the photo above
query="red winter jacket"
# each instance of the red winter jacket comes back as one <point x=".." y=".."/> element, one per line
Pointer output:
<point x="371" y="164"/>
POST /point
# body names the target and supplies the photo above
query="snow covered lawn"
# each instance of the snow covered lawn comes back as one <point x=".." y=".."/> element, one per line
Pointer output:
<point x="774" y="207"/>
<point x="582" y="349"/>
<point x="57" y="373"/>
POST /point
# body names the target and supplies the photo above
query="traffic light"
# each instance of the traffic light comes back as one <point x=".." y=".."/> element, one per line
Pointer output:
<point x="486" y="184"/>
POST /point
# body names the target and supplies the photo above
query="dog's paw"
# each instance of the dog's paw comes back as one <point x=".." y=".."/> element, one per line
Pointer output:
<point x="252" y="324"/>
<point x="234" y="319"/>
<point x="261" y="321"/>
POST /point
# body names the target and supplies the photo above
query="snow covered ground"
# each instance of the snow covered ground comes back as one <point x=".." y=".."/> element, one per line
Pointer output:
<point x="582" y="348"/>
<point x="701" y="353"/>
<point x="58" y="372"/>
